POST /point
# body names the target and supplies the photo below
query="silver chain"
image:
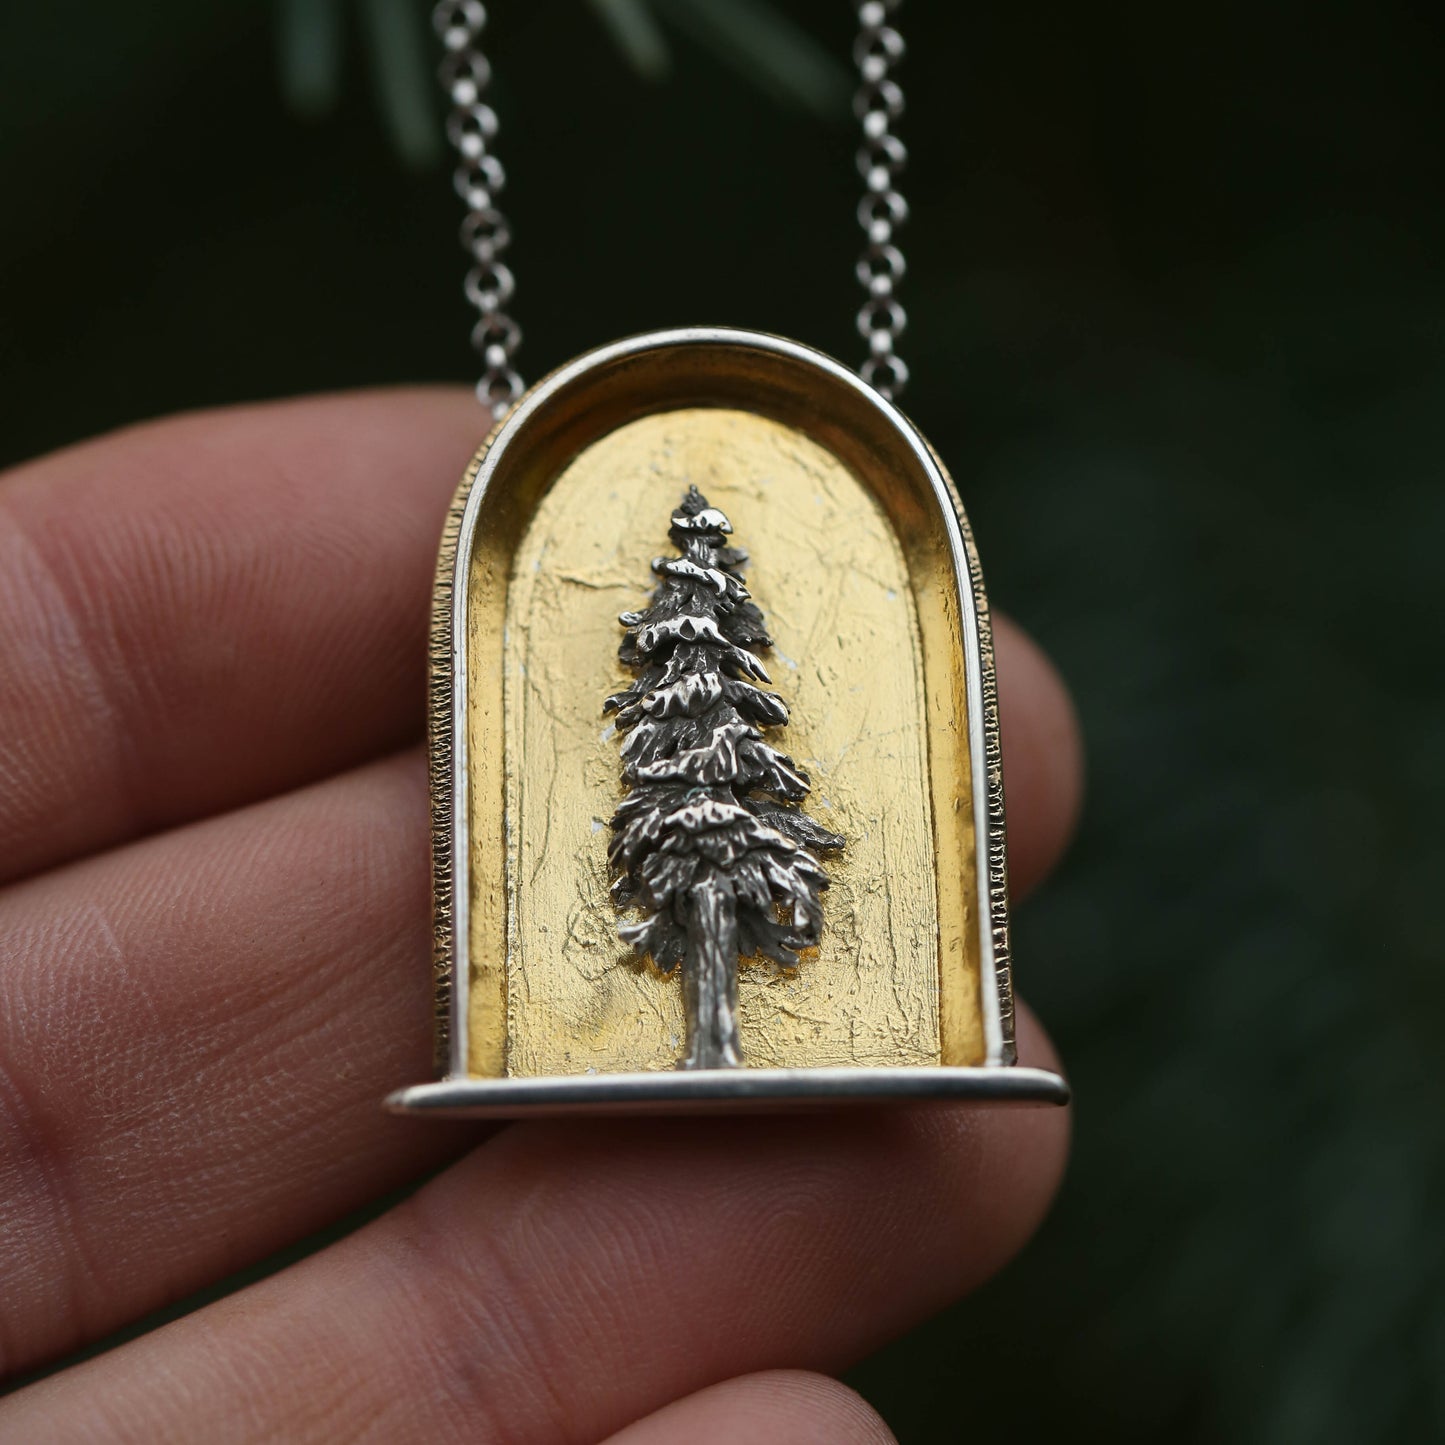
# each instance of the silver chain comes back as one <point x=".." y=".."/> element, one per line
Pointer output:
<point x="472" y="127"/>
<point x="878" y="103"/>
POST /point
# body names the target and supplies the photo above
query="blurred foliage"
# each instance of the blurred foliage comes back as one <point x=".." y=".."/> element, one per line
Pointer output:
<point x="760" y="42"/>
<point x="1178" y="331"/>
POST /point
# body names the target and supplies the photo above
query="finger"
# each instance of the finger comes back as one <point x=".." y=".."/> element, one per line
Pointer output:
<point x="1043" y="756"/>
<point x="196" y="1033"/>
<point x="777" y="1407"/>
<point x="209" y="610"/>
<point x="568" y="1278"/>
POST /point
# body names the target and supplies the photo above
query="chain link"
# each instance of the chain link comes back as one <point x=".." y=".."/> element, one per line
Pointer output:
<point x="878" y="104"/>
<point x="472" y="127"/>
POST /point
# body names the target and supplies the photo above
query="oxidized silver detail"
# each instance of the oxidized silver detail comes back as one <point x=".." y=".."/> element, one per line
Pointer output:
<point x="710" y="841"/>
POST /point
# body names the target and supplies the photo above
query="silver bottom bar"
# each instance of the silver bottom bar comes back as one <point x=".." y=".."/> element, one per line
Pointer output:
<point x="725" y="1090"/>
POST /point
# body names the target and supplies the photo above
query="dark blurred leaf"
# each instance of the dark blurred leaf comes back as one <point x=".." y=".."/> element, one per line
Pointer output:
<point x="761" y="43"/>
<point x="631" y="25"/>
<point x="399" y="50"/>
<point x="308" y="34"/>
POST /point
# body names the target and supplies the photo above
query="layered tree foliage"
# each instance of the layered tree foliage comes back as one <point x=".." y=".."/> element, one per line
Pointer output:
<point x="710" y="842"/>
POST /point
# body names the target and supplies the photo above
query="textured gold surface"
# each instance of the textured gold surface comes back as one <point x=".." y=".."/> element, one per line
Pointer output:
<point x="481" y="889"/>
<point x="831" y="580"/>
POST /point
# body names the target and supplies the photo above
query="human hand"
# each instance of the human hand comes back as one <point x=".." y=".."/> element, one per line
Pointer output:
<point x="214" y="927"/>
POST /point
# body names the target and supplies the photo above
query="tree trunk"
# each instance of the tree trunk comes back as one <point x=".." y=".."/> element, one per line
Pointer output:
<point x="710" y="980"/>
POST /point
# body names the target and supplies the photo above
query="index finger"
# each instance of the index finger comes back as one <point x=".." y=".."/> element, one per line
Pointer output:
<point x="205" y="611"/>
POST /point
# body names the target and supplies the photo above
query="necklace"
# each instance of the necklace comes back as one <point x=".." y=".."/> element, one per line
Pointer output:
<point x="659" y="879"/>
<point x="486" y="235"/>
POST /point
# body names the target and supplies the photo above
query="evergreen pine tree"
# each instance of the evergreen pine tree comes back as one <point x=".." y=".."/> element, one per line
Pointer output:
<point x="709" y="842"/>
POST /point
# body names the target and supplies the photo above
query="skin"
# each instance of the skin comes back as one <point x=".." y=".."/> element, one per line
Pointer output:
<point x="214" y="938"/>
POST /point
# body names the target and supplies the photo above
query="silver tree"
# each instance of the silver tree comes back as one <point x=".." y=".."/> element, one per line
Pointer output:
<point x="709" y="842"/>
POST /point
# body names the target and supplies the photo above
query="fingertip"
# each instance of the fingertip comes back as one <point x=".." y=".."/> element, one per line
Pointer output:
<point x="1043" y="756"/>
<point x="1036" y="1050"/>
<point x="782" y="1407"/>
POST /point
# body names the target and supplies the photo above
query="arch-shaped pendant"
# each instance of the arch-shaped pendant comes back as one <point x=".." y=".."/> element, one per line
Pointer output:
<point x="745" y="844"/>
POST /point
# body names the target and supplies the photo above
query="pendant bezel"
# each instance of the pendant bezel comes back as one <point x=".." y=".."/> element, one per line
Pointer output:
<point x="700" y="367"/>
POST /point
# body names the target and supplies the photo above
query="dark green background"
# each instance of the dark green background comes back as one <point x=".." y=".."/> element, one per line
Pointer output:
<point x="1177" y="305"/>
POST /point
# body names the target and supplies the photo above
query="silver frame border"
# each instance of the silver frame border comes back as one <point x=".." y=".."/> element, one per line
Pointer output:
<point x="997" y="1079"/>
<point x="727" y="1090"/>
